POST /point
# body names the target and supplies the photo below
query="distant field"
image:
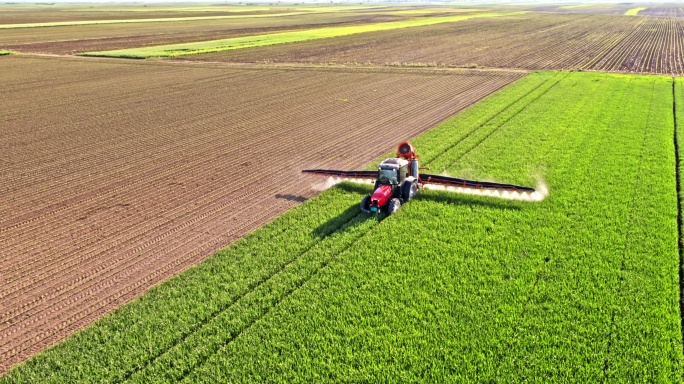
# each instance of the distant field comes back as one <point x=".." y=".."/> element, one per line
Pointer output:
<point x="174" y="50"/>
<point x="581" y="287"/>
<point x="666" y="11"/>
<point x="587" y="8"/>
<point x="75" y="39"/>
<point x="36" y="14"/>
<point x="147" y="168"/>
<point x="531" y="41"/>
<point x="31" y="16"/>
<point x="142" y="20"/>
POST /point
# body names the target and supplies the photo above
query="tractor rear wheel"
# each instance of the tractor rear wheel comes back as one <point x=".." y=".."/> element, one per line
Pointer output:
<point x="409" y="190"/>
<point x="393" y="205"/>
<point x="365" y="204"/>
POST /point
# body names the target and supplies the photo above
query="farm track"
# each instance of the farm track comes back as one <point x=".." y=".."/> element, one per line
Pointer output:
<point x="116" y="202"/>
<point x="530" y="41"/>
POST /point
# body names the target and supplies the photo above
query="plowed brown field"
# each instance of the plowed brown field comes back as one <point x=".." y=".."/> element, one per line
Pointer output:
<point x="531" y="41"/>
<point x="117" y="175"/>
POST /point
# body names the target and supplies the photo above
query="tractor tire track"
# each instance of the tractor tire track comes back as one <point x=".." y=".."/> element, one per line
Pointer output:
<point x="266" y="310"/>
<point x="250" y="290"/>
<point x="628" y="233"/>
<point x="496" y="128"/>
<point x="457" y="142"/>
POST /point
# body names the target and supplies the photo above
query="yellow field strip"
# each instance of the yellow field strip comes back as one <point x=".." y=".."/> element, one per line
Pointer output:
<point x="174" y="50"/>
<point x="634" y="11"/>
<point x="427" y="11"/>
<point x="575" y="6"/>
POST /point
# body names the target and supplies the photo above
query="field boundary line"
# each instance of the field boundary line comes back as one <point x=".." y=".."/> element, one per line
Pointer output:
<point x="680" y="244"/>
<point x="179" y="61"/>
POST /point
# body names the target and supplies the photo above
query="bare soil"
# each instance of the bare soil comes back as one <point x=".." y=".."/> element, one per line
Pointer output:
<point x="115" y="175"/>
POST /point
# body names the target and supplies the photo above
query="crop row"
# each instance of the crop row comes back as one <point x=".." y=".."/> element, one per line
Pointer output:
<point x="530" y="41"/>
<point x="582" y="286"/>
<point x="121" y="201"/>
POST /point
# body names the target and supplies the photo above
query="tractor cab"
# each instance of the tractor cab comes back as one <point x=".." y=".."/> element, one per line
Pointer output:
<point x="392" y="171"/>
<point x="392" y="187"/>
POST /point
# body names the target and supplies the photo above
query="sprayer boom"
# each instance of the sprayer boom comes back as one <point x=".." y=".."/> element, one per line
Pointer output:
<point x="463" y="183"/>
<point x="398" y="180"/>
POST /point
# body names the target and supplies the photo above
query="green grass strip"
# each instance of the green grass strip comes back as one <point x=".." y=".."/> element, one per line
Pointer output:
<point x="575" y="6"/>
<point x="634" y="11"/>
<point x="174" y="50"/>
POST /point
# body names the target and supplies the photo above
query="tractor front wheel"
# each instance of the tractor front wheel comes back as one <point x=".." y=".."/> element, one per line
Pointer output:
<point x="393" y="205"/>
<point x="365" y="204"/>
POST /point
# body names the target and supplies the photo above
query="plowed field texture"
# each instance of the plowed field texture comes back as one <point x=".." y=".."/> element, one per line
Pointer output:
<point x="529" y="41"/>
<point x="582" y="287"/>
<point x="117" y="175"/>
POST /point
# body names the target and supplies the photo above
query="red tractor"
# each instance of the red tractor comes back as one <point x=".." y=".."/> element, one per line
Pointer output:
<point x="398" y="180"/>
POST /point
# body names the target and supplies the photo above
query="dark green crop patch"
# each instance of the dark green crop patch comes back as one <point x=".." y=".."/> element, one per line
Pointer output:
<point x="581" y="287"/>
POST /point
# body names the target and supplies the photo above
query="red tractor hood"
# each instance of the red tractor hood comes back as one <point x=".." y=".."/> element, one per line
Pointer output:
<point x="381" y="195"/>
